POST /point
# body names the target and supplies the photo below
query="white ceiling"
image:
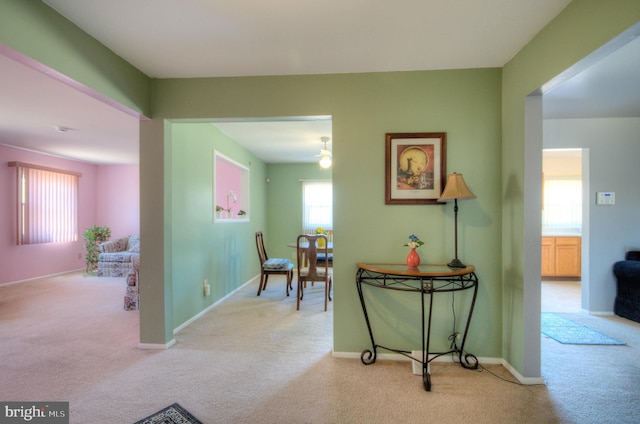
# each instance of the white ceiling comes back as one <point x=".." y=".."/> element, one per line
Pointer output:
<point x="609" y="88"/>
<point x="33" y="104"/>
<point x="296" y="140"/>
<point x="200" y="38"/>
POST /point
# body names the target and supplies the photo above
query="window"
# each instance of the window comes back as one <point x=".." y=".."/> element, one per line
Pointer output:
<point x="317" y="206"/>
<point x="47" y="204"/>
<point x="562" y="203"/>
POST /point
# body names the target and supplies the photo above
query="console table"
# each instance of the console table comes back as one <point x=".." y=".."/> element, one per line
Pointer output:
<point x="428" y="280"/>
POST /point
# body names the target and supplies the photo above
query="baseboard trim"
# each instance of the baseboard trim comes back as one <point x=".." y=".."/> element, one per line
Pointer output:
<point x="57" y="274"/>
<point x="601" y="313"/>
<point x="157" y="346"/>
<point x="448" y="358"/>
<point x="527" y="381"/>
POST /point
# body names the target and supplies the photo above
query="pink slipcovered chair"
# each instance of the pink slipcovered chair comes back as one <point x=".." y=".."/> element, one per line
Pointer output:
<point x="132" y="296"/>
<point x="116" y="255"/>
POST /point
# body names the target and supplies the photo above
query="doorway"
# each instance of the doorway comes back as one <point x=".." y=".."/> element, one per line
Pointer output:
<point x="562" y="223"/>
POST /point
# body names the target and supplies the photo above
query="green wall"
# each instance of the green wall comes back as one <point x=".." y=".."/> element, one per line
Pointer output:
<point x="482" y="111"/>
<point x="222" y="252"/>
<point x="464" y="103"/>
<point x="284" y="204"/>
<point x="580" y="29"/>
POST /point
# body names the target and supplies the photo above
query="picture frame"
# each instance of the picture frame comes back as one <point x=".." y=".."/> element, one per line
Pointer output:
<point x="415" y="168"/>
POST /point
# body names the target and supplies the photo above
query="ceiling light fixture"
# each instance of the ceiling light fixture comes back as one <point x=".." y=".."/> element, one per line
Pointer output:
<point x="325" y="161"/>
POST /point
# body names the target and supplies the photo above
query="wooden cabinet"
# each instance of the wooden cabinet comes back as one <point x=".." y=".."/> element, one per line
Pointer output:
<point x="548" y="256"/>
<point x="561" y="256"/>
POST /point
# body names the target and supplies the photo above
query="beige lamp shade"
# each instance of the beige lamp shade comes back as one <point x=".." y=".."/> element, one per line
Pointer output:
<point x="456" y="188"/>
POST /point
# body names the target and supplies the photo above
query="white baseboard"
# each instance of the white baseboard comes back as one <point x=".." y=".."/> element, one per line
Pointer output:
<point x="417" y="367"/>
<point x="57" y="274"/>
<point x="157" y="346"/>
<point x="601" y="313"/>
<point x="527" y="381"/>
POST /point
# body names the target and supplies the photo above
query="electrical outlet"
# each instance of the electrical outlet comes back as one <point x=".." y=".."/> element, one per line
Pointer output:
<point x="206" y="288"/>
<point x="79" y="255"/>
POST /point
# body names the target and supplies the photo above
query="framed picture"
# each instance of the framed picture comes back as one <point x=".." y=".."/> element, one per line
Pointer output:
<point x="415" y="168"/>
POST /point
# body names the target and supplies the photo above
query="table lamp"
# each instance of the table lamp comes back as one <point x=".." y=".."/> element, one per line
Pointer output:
<point x="456" y="189"/>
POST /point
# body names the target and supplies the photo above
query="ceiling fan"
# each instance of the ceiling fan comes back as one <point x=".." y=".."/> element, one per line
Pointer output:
<point x="325" y="155"/>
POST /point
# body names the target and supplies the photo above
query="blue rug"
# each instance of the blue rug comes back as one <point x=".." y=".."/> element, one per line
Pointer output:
<point x="565" y="331"/>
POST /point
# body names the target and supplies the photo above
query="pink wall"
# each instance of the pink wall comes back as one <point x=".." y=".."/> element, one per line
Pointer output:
<point x="96" y="194"/>
<point x="119" y="199"/>
<point x="228" y="178"/>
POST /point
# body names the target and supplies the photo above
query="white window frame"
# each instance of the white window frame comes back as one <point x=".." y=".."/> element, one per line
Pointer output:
<point x="317" y="205"/>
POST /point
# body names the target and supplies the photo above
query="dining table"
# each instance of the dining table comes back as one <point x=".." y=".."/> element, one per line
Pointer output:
<point x="305" y="245"/>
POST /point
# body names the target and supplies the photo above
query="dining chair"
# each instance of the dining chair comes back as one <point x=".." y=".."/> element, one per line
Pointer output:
<point x="309" y="269"/>
<point x="270" y="266"/>
<point x="322" y="258"/>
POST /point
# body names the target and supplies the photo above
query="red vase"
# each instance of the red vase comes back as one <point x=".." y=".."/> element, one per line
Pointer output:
<point x="413" y="259"/>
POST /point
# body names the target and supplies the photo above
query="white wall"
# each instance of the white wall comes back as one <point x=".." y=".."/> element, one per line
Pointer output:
<point x="614" y="145"/>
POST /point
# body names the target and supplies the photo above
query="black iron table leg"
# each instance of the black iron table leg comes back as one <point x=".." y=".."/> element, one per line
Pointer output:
<point x="470" y="360"/>
<point x="427" y="379"/>
<point x="367" y="356"/>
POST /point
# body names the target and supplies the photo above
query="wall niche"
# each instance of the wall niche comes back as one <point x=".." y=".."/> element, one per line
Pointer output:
<point x="230" y="190"/>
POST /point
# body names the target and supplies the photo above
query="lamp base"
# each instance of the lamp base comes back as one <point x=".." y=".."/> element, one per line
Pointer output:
<point x="456" y="263"/>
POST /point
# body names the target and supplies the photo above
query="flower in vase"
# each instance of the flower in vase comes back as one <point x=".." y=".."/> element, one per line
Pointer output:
<point x="414" y="241"/>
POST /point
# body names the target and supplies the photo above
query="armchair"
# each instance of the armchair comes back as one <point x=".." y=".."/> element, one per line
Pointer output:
<point x="627" y="272"/>
<point x="115" y="259"/>
<point x="132" y="295"/>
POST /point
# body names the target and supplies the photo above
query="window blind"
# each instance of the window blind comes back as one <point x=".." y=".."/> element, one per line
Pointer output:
<point x="317" y="206"/>
<point x="562" y="203"/>
<point x="47" y="204"/>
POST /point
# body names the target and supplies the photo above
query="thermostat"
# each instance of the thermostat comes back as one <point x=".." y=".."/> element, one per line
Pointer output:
<point x="605" y="198"/>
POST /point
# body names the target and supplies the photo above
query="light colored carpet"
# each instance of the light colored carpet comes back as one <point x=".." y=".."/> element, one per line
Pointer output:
<point x="257" y="360"/>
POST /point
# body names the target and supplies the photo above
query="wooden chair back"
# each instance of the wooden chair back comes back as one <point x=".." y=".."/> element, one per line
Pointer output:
<point x="262" y="253"/>
<point x="309" y="270"/>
